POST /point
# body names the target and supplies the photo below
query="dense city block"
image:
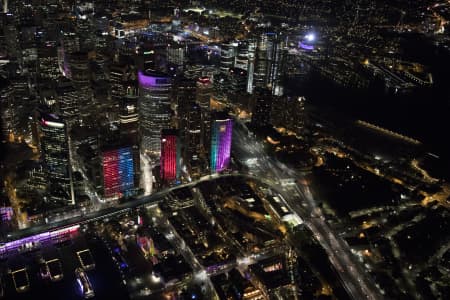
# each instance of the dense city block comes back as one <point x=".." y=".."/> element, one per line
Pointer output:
<point x="264" y="149"/>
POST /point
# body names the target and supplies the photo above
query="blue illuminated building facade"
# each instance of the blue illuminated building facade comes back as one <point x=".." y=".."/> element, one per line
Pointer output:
<point x="118" y="172"/>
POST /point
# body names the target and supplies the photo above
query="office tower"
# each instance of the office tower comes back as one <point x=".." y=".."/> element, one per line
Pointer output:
<point x="251" y="65"/>
<point x="175" y="57"/>
<point x="221" y="131"/>
<point x="189" y="123"/>
<point x="204" y="92"/>
<point x="277" y="61"/>
<point x="28" y="47"/>
<point x="48" y="60"/>
<point x="270" y="55"/>
<point x="241" y="60"/>
<point x="297" y="117"/>
<point x="24" y="104"/>
<point x="122" y="80"/>
<point x="69" y="44"/>
<point x="184" y="95"/>
<point x="193" y="142"/>
<point x="228" y="52"/>
<point x="129" y="118"/>
<point x="12" y="38"/>
<point x="119" y="76"/>
<point x="237" y="81"/>
<point x="170" y="156"/>
<point x="154" y="109"/>
<point x="263" y="107"/>
<point x="129" y="127"/>
<point x="8" y="115"/>
<point x="85" y="28"/>
<point x="54" y="145"/>
<point x="80" y="74"/>
<point x="99" y="67"/>
<point x="261" y="62"/>
<point x="68" y="101"/>
<point x="118" y="171"/>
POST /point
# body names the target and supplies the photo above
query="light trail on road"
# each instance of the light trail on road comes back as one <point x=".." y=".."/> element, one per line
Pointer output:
<point x="353" y="277"/>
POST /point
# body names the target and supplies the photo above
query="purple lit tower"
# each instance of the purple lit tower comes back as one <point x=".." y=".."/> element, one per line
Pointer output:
<point x="154" y="109"/>
<point x="221" y="131"/>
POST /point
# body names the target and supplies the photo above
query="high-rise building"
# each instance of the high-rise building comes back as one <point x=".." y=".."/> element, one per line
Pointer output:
<point x="8" y="115"/>
<point x="68" y="101"/>
<point x="193" y="141"/>
<point x="203" y="98"/>
<point x="204" y="92"/>
<point x="24" y="104"/>
<point x="221" y="132"/>
<point x="129" y="118"/>
<point x="175" y="57"/>
<point x="228" y="54"/>
<point x="122" y="80"/>
<point x="54" y="145"/>
<point x="48" y="60"/>
<point x="118" y="172"/>
<point x="237" y="80"/>
<point x="170" y="156"/>
<point x="270" y="56"/>
<point x="251" y="65"/>
<point x="261" y="62"/>
<point x="278" y="56"/>
<point x="80" y="74"/>
<point x="119" y="76"/>
<point x="263" y="107"/>
<point x="241" y="60"/>
<point x="85" y="27"/>
<point x="154" y="109"/>
<point x="184" y="95"/>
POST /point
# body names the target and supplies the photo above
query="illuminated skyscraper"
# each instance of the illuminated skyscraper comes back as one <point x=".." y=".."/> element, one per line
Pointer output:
<point x="84" y="12"/>
<point x="9" y="118"/>
<point x="80" y="74"/>
<point x="129" y="127"/>
<point x="193" y="140"/>
<point x="170" y="155"/>
<point x="228" y="54"/>
<point x="270" y="56"/>
<point x="54" y="145"/>
<point x="261" y="62"/>
<point x="68" y="101"/>
<point x="118" y="172"/>
<point x="193" y="134"/>
<point x="203" y="98"/>
<point x="122" y="80"/>
<point x="204" y="92"/>
<point x="221" y="131"/>
<point x="251" y="65"/>
<point x="129" y="118"/>
<point x="154" y="109"/>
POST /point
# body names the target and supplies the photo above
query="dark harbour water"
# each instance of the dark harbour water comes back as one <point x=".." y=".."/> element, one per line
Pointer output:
<point x="423" y="114"/>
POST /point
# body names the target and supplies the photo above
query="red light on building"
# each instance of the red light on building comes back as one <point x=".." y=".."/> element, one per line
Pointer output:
<point x="204" y="80"/>
<point x="111" y="178"/>
<point x="169" y="155"/>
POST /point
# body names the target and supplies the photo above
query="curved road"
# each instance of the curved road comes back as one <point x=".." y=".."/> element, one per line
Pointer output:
<point x="298" y="199"/>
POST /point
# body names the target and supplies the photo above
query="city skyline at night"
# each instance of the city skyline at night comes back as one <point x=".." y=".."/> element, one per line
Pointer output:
<point x="224" y="150"/>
